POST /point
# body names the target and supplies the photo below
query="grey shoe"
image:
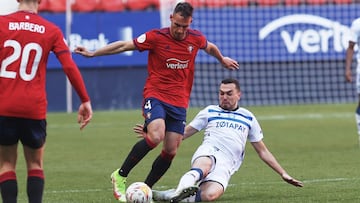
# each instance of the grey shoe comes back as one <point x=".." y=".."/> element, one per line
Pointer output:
<point x="184" y="193"/>
<point x="163" y="195"/>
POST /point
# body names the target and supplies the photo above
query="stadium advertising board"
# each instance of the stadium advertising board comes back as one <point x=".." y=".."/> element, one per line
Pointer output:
<point x="250" y="34"/>
<point x="94" y="30"/>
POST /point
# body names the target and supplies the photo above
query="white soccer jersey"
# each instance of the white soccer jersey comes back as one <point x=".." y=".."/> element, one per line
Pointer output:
<point x="228" y="131"/>
<point x="355" y="36"/>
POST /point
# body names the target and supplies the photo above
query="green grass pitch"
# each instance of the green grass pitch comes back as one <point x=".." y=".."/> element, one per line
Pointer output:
<point x="317" y="144"/>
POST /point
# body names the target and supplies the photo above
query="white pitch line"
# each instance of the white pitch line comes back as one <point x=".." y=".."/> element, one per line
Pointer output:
<point x="304" y="181"/>
<point x="230" y="185"/>
<point x="330" y="180"/>
<point x="307" y="116"/>
<point x="77" y="191"/>
<point x="272" y="117"/>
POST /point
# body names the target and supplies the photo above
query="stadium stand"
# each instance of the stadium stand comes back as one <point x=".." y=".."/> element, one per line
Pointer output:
<point x="43" y="5"/>
<point x="316" y="2"/>
<point x="216" y="3"/>
<point x="343" y="1"/>
<point x="57" y="5"/>
<point x="197" y="3"/>
<point x="267" y="2"/>
<point x="86" y="5"/>
<point x="137" y="5"/>
<point x="292" y="2"/>
<point x="238" y="3"/>
<point x="111" y="5"/>
<point x="141" y="5"/>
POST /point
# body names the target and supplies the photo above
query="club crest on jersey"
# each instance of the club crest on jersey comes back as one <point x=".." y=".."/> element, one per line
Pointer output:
<point x="190" y="48"/>
<point x="148" y="115"/>
<point x="141" y="38"/>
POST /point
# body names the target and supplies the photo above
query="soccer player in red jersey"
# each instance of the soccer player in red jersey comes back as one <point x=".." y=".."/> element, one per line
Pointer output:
<point x="26" y="39"/>
<point x="171" y="60"/>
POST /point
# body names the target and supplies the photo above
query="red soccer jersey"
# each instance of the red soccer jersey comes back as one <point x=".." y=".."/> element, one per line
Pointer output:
<point x="170" y="64"/>
<point x="26" y="40"/>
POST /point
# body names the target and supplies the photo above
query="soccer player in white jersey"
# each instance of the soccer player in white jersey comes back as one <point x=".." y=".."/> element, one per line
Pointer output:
<point x="354" y="39"/>
<point x="227" y="128"/>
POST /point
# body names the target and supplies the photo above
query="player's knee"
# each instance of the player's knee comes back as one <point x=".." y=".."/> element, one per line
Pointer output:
<point x="209" y="196"/>
<point x="155" y="137"/>
<point x="167" y="156"/>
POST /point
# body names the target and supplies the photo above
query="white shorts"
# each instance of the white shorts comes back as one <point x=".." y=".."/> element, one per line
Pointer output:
<point x="222" y="168"/>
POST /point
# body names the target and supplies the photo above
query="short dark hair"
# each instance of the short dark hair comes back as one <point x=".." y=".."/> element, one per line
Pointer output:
<point x="185" y="9"/>
<point x="232" y="80"/>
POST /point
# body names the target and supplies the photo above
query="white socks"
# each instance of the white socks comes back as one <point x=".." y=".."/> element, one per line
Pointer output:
<point x="188" y="179"/>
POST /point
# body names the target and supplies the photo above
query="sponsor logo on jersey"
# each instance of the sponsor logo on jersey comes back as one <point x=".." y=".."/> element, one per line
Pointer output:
<point x="235" y="126"/>
<point x="32" y="27"/>
<point x="311" y="40"/>
<point x="174" y="63"/>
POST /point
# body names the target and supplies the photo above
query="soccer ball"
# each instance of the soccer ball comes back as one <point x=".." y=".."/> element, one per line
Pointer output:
<point x="138" y="192"/>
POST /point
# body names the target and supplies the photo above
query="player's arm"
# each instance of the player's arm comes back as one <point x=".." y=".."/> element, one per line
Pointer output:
<point x="348" y="61"/>
<point x="271" y="161"/>
<point x="227" y="62"/>
<point x="139" y="130"/>
<point x="189" y="131"/>
<point x="71" y="70"/>
<point x="112" y="48"/>
<point x="76" y="80"/>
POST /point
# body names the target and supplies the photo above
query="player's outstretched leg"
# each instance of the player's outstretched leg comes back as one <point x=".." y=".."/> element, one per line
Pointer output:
<point x="184" y="193"/>
<point x="163" y="195"/>
<point x="119" y="187"/>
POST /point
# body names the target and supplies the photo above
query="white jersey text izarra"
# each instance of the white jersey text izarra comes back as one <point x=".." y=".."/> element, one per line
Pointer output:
<point x="228" y="130"/>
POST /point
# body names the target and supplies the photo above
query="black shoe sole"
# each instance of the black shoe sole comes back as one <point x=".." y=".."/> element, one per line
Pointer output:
<point x="187" y="192"/>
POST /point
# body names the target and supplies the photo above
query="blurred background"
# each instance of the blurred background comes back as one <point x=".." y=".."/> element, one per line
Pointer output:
<point x="290" y="51"/>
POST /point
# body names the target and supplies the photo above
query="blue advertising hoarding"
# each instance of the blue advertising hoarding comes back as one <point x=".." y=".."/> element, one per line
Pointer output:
<point x="94" y="30"/>
<point x="273" y="34"/>
<point x="251" y="34"/>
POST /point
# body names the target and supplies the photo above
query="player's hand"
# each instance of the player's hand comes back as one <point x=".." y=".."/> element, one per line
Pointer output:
<point x="139" y="130"/>
<point x="291" y="180"/>
<point x="83" y="51"/>
<point x="84" y="114"/>
<point x="230" y="63"/>
<point x="348" y="77"/>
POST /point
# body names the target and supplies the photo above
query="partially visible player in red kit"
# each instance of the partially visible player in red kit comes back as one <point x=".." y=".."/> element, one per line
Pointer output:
<point x="171" y="60"/>
<point x="26" y="39"/>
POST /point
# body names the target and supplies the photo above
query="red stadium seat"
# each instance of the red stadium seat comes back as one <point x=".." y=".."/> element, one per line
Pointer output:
<point x="342" y="1"/>
<point x="57" y="5"/>
<point x="316" y="2"/>
<point x="85" y="5"/>
<point x="43" y="6"/>
<point x="141" y="5"/>
<point x="238" y="3"/>
<point x="267" y="2"/>
<point x="111" y="5"/>
<point x="292" y="2"/>
<point x="215" y="3"/>
<point x="197" y="3"/>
